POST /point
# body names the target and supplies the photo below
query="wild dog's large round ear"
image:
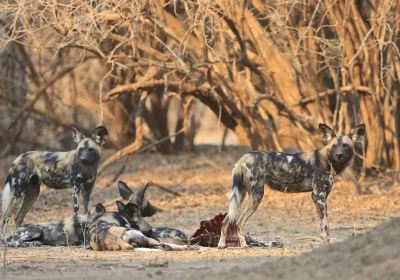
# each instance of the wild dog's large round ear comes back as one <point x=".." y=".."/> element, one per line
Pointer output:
<point x="149" y="209"/>
<point x="124" y="190"/>
<point x="77" y="135"/>
<point x="357" y="133"/>
<point x="139" y="200"/>
<point x="121" y="206"/>
<point x="326" y="133"/>
<point x="100" y="135"/>
<point x="100" y="208"/>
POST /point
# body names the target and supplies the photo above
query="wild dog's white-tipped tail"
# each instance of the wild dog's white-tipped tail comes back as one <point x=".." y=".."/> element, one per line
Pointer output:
<point x="237" y="195"/>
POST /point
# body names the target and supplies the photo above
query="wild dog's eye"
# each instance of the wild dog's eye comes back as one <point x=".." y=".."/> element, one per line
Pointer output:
<point x="346" y="146"/>
<point x="80" y="149"/>
<point x="91" y="150"/>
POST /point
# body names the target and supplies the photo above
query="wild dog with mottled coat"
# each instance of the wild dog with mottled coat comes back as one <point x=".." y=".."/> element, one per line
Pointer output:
<point x="114" y="231"/>
<point x="71" y="231"/>
<point x="76" y="169"/>
<point x="313" y="172"/>
<point x="147" y="209"/>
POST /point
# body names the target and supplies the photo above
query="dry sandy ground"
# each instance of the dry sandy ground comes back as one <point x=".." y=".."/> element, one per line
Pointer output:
<point x="202" y="180"/>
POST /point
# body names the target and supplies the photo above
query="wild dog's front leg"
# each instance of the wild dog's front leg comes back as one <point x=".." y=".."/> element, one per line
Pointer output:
<point x="320" y="200"/>
<point x="75" y="197"/>
<point x="87" y="197"/>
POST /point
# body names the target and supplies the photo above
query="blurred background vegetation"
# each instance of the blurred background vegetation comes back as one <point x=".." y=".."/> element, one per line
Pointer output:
<point x="152" y="71"/>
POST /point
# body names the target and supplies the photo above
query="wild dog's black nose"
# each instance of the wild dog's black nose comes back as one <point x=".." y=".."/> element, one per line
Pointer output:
<point x="339" y="156"/>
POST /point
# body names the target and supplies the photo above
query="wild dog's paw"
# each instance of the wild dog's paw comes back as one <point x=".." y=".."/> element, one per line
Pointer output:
<point x="221" y="245"/>
<point x="326" y="239"/>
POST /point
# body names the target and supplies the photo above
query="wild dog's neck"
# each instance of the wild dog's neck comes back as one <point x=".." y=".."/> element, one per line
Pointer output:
<point x="329" y="162"/>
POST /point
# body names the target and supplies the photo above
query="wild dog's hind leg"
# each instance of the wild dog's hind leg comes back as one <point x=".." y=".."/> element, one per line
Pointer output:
<point x="31" y="194"/>
<point x="224" y="231"/>
<point x="320" y="200"/>
<point x="255" y="198"/>
<point x="237" y="196"/>
<point x="10" y="201"/>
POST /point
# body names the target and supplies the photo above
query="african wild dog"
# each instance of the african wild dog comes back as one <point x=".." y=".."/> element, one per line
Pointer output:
<point x="116" y="231"/>
<point x="71" y="231"/>
<point x="313" y="171"/>
<point x="147" y="210"/>
<point x="75" y="169"/>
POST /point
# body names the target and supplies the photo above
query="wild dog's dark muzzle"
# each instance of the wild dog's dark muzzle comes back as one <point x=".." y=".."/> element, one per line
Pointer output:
<point x="342" y="157"/>
<point x="341" y="153"/>
<point x="88" y="157"/>
<point x="339" y="157"/>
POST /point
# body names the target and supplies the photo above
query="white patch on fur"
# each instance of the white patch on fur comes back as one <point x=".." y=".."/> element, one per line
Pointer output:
<point x="134" y="235"/>
<point x="127" y="224"/>
<point x="289" y="158"/>
<point x="24" y="234"/>
<point x="6" y="197"/>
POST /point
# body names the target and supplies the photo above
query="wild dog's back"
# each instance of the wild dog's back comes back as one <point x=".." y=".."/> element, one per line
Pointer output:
<point x="288" y="172"/>
<point x="52" y="168"/>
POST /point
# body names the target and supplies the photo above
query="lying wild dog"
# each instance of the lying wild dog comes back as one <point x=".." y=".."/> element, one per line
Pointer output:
<point x="75" y="169"/>
<point x="114" y="230"/>
<point x="313" y="172"/>
<point x="147" y="210"/>
<point x="101" y="229"/>
<point x="72" y="231"/>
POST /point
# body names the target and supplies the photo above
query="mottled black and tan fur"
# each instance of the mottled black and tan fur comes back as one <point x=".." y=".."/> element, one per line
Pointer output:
<point x="75" y="169"/>
<point x="147" y="209"/>
<point x="313" y="172"/>
<point x="115" y="231"/>
<point x="72" y="231"/>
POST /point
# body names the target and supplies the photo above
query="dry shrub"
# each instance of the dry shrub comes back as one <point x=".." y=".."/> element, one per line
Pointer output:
<point x="270" y="70"/>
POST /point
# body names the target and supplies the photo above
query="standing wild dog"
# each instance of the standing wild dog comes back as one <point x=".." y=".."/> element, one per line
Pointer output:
<point x="75" y="169"/>
<point x="313" y="171"/>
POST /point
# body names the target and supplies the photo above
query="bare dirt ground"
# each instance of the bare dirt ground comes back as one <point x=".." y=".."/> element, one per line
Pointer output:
<point x="202" y="179"/>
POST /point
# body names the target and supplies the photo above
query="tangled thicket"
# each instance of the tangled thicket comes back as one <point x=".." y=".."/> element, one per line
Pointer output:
<point x="270" y="70"/>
